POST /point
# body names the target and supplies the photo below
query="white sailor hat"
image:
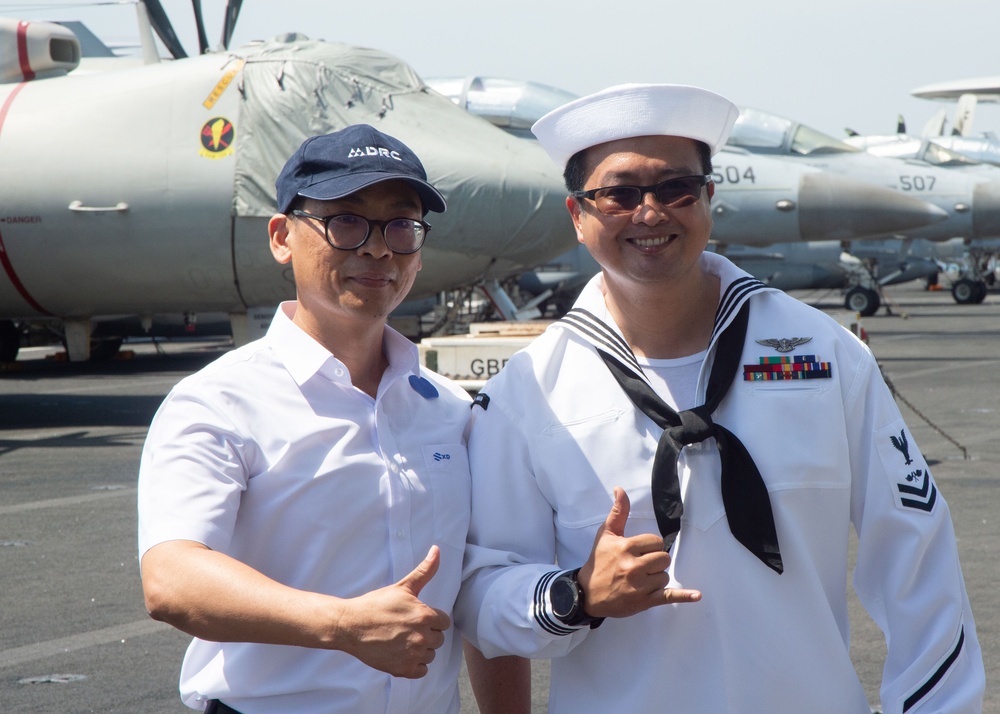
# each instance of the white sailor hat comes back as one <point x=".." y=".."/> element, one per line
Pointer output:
<point x="628" y="110"/>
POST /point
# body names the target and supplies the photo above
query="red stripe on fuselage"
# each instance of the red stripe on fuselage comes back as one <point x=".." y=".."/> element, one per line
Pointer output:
<point x="4" y="258"/>
<point x="22" y="51"/>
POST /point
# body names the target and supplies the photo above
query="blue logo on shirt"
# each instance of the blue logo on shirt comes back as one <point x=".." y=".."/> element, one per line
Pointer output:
<point x="438" y="456"/>
<point x="423" y="387"/>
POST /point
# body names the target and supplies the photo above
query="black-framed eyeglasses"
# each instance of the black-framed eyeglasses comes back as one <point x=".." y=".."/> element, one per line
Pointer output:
<point x="347" y="231"/>
<point x="672" y="193"/>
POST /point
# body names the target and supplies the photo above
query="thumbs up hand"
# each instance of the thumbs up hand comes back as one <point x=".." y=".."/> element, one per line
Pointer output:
<point x="624" y="576"/>
<point x="415" y="581"/>
<point x="390" y="629"/>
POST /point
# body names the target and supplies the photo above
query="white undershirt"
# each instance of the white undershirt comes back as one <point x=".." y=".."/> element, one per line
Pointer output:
<point x="675" y="380"/>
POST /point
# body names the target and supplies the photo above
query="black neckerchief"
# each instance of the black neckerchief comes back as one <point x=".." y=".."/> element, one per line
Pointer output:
<point x="744" y="495"/>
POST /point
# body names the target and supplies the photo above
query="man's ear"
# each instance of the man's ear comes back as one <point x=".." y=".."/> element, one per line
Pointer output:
<point x="575" y="211"/>
<point x="277" y="229"/>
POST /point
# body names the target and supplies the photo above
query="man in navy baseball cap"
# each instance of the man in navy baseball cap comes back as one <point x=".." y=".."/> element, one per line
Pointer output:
<point x="304" y="501"/>
<point x="335" y="165"/>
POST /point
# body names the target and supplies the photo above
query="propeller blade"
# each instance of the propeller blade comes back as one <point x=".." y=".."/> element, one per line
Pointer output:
<point x="164" y="30"/>
<point x="199" y="22"/>
<point x="232" y="13"/>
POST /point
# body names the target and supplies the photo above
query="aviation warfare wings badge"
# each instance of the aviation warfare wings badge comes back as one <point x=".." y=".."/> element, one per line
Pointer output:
<point x="912" y="485"/>
<point x="784" y="344"/>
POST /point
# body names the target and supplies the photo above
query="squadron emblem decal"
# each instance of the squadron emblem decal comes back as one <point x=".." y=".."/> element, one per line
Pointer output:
<point x="912" y="484"/>
<point x="217" y="135"/>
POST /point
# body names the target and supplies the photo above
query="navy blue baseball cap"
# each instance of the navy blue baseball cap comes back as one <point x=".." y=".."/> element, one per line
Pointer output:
<point x="335" y="165"/>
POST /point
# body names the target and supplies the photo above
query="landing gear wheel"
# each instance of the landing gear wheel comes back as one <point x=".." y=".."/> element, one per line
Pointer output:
<point x="965" y="291"/>
<point x="863" y="301"/>
<point x="10" y="341"/>
<point x="102" y="350"/>
<point x="981" y="290"/>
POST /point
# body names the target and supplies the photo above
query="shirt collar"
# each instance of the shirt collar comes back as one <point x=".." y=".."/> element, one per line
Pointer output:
<point x="304" y="357"/>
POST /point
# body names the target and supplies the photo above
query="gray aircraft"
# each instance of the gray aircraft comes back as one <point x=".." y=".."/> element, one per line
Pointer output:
<point x="970" y="284"/>
<point x="144" y="191"/>
<point x="970" y="195"/>
<point x="971" y="201"/>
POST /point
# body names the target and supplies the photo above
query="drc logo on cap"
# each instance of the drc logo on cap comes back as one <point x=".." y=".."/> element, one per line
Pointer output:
<point x="217" y="135"/>
<point x="373" y="151"/>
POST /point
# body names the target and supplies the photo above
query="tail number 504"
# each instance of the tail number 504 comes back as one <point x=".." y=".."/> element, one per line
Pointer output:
<point x="733" y="174"/>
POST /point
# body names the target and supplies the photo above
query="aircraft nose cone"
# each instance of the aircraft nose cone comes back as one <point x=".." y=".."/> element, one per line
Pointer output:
<point x="986" y="209"/>
<point x="833" y="207"/>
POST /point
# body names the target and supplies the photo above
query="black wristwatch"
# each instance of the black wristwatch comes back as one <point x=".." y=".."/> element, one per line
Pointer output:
<point x="566" y="597"/>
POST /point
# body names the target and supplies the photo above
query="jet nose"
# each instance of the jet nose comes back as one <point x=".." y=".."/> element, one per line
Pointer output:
<point x="986" y="209"/>
<point x="833" y="207"/>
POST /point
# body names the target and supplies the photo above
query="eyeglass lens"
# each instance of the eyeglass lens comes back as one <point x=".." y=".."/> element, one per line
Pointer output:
<point x="673" y="193"/>
<point x="402" y="235"/>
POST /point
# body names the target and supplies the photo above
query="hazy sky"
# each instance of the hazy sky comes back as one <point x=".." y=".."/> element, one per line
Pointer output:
<point x="830" y="64"/>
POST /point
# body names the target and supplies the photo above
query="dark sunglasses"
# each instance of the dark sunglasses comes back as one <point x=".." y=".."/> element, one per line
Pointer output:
<point x="672" y="193"/>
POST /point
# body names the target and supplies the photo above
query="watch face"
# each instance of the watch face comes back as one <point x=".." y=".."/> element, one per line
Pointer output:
<point x="563" y="596"/>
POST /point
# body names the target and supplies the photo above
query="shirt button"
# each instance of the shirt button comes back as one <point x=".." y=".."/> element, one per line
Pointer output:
<point x="393" y="467"/>
<point x="400" y="533"/>
<point x="339" y="371"/>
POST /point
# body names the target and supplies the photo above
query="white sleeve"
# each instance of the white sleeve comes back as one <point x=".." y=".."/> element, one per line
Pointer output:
<point x="908" y="574"/>
<point x="510" y="558"/>
<point x="191" y="475"/>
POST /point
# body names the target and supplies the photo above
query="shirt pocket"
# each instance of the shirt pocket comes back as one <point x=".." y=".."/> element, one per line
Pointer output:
<point x="450" y="486"/>
<point x="798" y="436"/>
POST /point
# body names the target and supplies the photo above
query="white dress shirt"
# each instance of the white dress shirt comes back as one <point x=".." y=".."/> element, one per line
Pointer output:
<point x="270" y="455"/>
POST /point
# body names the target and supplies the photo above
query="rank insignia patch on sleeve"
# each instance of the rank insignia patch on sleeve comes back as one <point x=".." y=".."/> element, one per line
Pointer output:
<point x="912" y="484"/>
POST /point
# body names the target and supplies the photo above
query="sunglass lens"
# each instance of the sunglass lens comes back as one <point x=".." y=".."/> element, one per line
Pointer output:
<point x="618" y="199"/>
<point x="673" y="191"/>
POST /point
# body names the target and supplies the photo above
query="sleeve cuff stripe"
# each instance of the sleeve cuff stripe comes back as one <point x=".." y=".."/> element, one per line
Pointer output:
<point x="927" y="686"/>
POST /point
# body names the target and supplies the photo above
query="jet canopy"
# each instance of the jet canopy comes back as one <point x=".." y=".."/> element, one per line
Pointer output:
<point x="902" y="146"/>
<point x="762" y="132"/>
<point x="511" y="104"/>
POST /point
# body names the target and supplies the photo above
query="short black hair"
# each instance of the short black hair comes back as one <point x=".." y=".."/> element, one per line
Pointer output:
<point x="575" y="174"/>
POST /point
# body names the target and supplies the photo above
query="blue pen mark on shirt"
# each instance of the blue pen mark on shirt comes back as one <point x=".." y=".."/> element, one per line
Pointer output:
<point x="422" y="387"/>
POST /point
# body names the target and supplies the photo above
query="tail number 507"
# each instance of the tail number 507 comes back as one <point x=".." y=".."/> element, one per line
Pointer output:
<point x="917" y="183"/>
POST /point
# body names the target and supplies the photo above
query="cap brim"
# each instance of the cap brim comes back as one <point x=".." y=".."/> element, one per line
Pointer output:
<point x="341" y="186"/>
